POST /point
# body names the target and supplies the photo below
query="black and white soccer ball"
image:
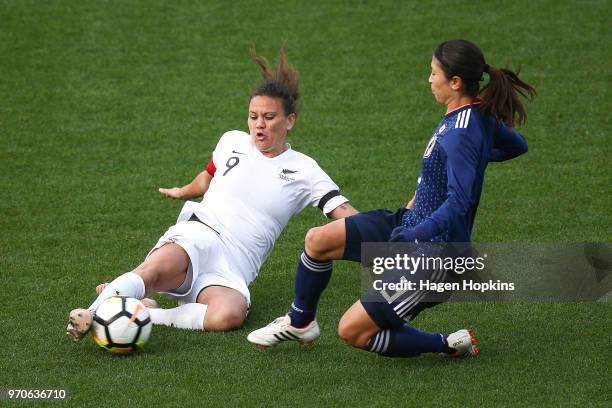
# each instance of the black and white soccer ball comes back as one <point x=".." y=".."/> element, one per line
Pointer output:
<point x="121" y="325"/>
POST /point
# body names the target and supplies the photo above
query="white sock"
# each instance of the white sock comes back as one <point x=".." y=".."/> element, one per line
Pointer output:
<point x="128" y="284"/>
<point x="188" y="316"/>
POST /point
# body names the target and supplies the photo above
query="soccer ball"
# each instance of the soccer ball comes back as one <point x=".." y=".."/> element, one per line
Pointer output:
<point x="121" y="325"/>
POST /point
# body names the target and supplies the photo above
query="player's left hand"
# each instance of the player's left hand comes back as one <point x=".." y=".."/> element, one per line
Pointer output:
<point x="403" y="234"/>
<point x="174" y="192"/>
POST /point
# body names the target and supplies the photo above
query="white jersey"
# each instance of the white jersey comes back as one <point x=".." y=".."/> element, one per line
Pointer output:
<point x="252" y="197"/>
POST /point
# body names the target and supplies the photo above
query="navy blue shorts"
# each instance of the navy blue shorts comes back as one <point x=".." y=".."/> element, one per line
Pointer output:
<point x="392" y="308"/>
<point x="369" y="226"/>
<point x="389" y="310"/>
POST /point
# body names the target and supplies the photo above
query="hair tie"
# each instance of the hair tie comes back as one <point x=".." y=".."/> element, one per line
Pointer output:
<point x="486" y="68"/>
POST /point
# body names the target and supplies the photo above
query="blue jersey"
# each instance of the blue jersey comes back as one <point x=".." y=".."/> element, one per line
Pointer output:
<point x="451" y="177"/>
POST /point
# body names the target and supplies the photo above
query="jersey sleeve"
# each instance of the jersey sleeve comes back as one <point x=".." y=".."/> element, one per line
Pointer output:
<point x="210" y="168"/>
<point x="462" y="155"/>
<point x="219" y="149"/>
<point x="507" y="144"/>
<point x="325" y="194"/>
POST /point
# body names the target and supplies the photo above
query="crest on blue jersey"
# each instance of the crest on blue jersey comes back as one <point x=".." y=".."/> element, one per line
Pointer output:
<point x="433" y="140"/>
<point x="430" y="146"/>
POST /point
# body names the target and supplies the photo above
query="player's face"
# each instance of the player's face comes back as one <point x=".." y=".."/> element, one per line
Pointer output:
<point x="269" y="125"/>
<point x="440" y="86"/>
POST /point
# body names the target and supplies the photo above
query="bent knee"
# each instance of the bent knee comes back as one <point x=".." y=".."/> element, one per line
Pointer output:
<point x="345" y="332"/>
<point x="351" y="334"/>
<point x="318" y="242"/>
<point x="222" y="321"/>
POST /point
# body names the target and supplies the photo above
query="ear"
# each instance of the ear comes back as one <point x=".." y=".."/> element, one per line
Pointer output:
<point x="291" y="121"/>
<point x="456" y="83"/>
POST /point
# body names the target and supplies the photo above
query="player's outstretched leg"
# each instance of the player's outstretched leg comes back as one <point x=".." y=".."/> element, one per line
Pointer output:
<point x="164" y="269"/>
<point x="313" y="272"/>
<point x="407" y="341"/>
<point x="359" y="330"/>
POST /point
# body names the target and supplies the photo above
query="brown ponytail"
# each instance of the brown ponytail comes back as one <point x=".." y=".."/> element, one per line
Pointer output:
<point x="500" y="97"/>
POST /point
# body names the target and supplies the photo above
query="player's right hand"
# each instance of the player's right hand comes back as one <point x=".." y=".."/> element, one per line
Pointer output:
<point x="174" y="192"/>
<point x="403" y="234"/>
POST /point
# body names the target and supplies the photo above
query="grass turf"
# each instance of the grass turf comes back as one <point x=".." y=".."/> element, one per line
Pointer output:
<point x="103" y="102"/>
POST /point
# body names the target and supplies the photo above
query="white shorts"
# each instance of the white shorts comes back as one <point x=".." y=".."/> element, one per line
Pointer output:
<point x="212" y="262"/>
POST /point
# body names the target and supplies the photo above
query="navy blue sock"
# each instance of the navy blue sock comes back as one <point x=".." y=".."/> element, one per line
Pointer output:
<point x="311" y="279"/>
<point x="407" y="342"/>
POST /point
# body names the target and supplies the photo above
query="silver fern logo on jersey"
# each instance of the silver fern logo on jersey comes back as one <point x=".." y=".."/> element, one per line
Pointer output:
<point x="284" y="174"/>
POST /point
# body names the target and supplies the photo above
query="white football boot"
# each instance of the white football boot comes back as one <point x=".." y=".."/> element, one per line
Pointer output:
<point x="281" y="330"/>
<point x="79" y="323"/>
<point x="464" y="344"/>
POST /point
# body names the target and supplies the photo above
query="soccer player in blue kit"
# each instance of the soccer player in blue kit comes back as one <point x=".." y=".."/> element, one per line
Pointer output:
<point x="476" y="129"/>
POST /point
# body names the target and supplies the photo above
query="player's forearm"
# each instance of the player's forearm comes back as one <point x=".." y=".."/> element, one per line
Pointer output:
<point x="198" y="186"/>
<point x="508" y="144"/>
<point x="507" y="153"/>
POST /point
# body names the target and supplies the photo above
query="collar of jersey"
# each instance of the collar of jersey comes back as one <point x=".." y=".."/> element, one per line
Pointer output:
<point x="263" y="156"/>
<point x="476" y="102"/>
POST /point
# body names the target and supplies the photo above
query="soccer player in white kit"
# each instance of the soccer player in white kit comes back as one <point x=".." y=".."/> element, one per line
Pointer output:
<point x="252" y="186"/>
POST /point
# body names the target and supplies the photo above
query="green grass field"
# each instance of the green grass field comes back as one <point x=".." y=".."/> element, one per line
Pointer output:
<point x="103" y="102"/>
